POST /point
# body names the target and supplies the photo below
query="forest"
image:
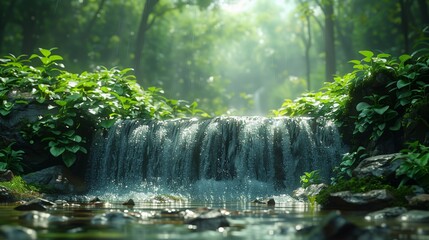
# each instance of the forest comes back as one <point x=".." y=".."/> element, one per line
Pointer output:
<point x="234" y="57"/>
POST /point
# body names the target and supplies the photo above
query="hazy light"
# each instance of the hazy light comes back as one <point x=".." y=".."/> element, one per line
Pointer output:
<point x="236" y="6"/>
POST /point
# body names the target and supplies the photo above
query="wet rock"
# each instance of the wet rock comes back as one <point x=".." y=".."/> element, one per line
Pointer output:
<point x="41" y="219"/>
<point x="210" y="220"/>
<point x="377" y="166"/>
<point x="96" y="199"/>
<point x="6" y="196"/>
<point x="17" y="233"/>
<point x="53" y="178"/>
<point x="268" y="201"/>
<point x="420" y="201"/>
<point x="6" y="175"/>
<point x="334" y="226"/>
<point x="385" y="213"/>
<point x="60" y="202"/>
<point x="112" y="218"/>
<point x="130" y="202"/>
<point x="372" y="200"/>
<point x="312" y="190"/>
<point x="418" y="216"/>
<point x="38" y="204"/>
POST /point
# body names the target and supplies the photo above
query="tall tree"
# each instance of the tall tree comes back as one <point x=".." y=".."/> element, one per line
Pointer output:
<point x="306" y="13"/>
<point x="144" y="26"/>
<point x="327" y="7"/>
<point x="5" y="16"/>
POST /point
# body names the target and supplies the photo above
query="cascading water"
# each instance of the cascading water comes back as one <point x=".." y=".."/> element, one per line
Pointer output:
<point x="220" y="158"/>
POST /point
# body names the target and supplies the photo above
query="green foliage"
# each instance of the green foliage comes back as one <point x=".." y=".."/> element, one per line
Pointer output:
<point x="79" y="102"/>
<point x="11" y="159"/>
<point x="348" y="163"/>
<point x="328" y="102"/>
<point x="310" y="178"/>
<point x="414" y="164"/>
<point x="20" y="188"/>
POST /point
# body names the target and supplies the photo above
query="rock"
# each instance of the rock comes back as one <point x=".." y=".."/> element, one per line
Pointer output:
<point x="268" y="201"/>
<point x="6" y="175"/>
<point x="312" y="190"/>
<point x="112" y="218"/>
<point x="130" y="202"/>
<point x="37" y="204"/>
<point x="6" y="196"/>
<point x="41" y="219"/>
<point x="377" y="166"/>
<point x="210" y="220"/>
<point x="334" y="226"/>
<point x="385" y="213"/>
<point x="8" y="232"/>
<point x="420" y="201"/>
<point x="418" y="216"/>
<point x="372" y="200"/>
<point x="52" y="178"/>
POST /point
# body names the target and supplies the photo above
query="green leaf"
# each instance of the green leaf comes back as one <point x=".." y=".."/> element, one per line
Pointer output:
<point x="404" y="58"/>
<point x="62" y="103"/>
<point x="69" y="158"/>
<point x="381" y="110"/>
<point x="3" y="166"/>
<point x="367" y="54"/>
<point x="56" y="151"/>
<point x="396" y="126"/>
<point x="45" y="52"/>
<point x="107" y="123"/>
<point x="73" y="149"/>
<point x="361" y="106"/>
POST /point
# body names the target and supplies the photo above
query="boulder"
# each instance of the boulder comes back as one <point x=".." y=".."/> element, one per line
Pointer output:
<point x="54" y="179"/>
<point x="312" y="190"/>
<point x="10" y="232"/>
<point x="420" y="201"/>
<point x="112" y="219"/>
<point x="372" y="200"/>
<point x="386" y="213"/>
<point x="377" y="166"/>
<point x="210" y="220"/>
<point x="268" y="201"/>
<point x="415" y="216"/>
<point x="41" y="219"/>
<point x="37" y="204"/>
<point x="6" y="175"/>
<point x="335" y="226"/>
<point x="6" y="196"/>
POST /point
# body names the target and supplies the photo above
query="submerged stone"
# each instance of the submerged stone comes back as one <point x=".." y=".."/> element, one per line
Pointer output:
<point x="130" y="202"/>
<point x="42" y="219"/>
<point x="210" y="220"/>
<point x="385" y="213"/>
<point x="112" y="218"/>
<point x="418" y="216"/>
<point x="268" y="201"/>
<point x="9" y="232"/>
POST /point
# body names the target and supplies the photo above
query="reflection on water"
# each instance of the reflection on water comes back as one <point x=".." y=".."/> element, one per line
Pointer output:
<point x="288" y="219"/>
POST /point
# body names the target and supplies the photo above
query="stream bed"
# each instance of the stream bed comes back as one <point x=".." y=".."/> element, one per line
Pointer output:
<point x="287" y="219"/>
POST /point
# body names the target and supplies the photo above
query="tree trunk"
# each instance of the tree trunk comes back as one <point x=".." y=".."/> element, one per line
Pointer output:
<point x="141" y="35"/>
<point x="4" y="19"/>
<point x="28" y="26"/>
<point x="307" y="53"/>
<point x="330" y="67"/>
<point x="404" y="25"/>
<point x="423" y="6"/>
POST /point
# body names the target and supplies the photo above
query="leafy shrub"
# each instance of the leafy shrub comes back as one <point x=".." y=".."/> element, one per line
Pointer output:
<point x="11" y="159"/>
<point x="415" y="164"/>
<point x="310" y="178"/>
<point x="79" y="102"/>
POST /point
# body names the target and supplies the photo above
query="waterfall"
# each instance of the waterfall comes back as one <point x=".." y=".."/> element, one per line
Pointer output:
<point x="213" y="158"/>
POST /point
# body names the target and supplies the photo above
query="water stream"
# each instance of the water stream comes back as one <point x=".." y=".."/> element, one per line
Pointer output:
<point x="219" y="159"/>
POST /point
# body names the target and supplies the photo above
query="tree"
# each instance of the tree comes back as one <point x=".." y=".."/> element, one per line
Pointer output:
<point x="144" y="26"/>
<point x="327" y="7"/>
